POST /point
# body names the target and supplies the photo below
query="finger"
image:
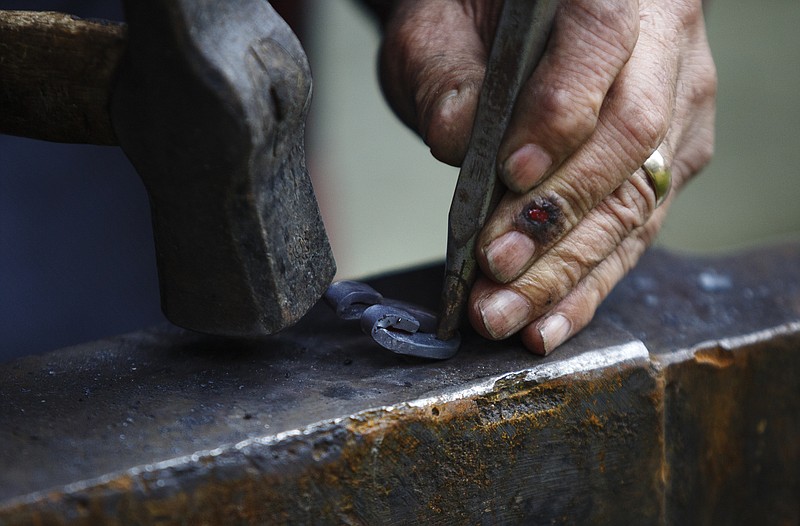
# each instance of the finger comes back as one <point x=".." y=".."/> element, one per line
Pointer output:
<point x="570" y="315"/>
<point x="591" y="258"/>
<point x="432" y="64"/>
<point x="633" y="122"/>
<point x="561" y="291"/>
<point x="497" y="311"/>
<point x="696" y="94"/>
<point x="559" y="106"/>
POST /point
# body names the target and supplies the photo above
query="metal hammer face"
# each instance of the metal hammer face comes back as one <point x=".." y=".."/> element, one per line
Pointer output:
<point x="209" y="105"/>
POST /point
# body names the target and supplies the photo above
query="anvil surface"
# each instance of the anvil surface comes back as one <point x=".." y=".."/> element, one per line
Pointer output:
<point x="680" y="400"/>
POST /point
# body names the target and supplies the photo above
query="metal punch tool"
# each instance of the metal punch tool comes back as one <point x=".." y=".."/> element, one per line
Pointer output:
<point x="519" y="43"/>
<point x="521" y="36"/>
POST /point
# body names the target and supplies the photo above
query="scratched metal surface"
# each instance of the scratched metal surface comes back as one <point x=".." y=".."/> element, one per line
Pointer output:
<point x="673" y="302"/>
<point x="155" y="395"/>
<point x="150" y="396"/>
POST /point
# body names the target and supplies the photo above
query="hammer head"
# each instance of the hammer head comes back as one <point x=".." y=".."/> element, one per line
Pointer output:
<point x="210" y="105"/>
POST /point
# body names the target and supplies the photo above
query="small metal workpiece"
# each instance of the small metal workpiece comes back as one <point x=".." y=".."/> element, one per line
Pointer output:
<point x="350" y="298"/>
<point x="519" y="43"/>
<point x="400" y="327"/>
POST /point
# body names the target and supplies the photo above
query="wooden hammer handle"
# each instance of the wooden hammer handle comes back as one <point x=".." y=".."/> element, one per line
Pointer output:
<point x="56" y="75"/>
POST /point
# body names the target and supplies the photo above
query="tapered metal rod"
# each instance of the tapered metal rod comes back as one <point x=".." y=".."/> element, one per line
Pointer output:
<point x="520" y="40"/>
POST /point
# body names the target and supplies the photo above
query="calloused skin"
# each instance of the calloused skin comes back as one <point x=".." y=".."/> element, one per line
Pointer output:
<point x="618" y="80"/>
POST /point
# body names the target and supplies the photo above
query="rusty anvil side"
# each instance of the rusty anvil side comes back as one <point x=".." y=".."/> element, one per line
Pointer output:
<point x="677" y="405"/>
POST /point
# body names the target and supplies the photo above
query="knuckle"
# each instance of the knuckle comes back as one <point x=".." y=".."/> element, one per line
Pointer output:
<point x="613" y="22"/>
<point x="555" y="277"/>
<point x="587" y="184"/>
<point x="400" y="71"/>
<point x="581" y="192"/>
<point x="698" y="80"/>
<point x="705" y="151"/>
<point x="652" y="123"/>
<point x="573" y="267"/>
<point x="422" y="65"/>
<point x="542" y="290"/>
<point x="569" y="117"/>
<point x="703" y="146"/>
<point x="687" y="14"/>
<point x="703" y="85"/>
<point x="694" y="158"/>
<point x="574" y="260"/>
<point x="445" y="117"/>
<point x="628" y="207"/>
<point x="645" y="119"/>
<point x="435" y="80"/>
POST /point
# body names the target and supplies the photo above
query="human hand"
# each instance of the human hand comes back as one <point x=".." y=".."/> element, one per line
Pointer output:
<point x="619" y="79"/>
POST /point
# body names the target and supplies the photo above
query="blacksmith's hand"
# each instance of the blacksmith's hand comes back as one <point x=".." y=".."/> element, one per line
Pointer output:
<point x="621" y="82"/>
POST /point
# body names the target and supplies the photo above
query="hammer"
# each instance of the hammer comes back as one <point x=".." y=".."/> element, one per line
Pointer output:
<point x="208" y="100"/>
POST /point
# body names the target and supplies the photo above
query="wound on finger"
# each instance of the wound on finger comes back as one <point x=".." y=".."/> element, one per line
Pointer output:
<point x="542" y="220"/>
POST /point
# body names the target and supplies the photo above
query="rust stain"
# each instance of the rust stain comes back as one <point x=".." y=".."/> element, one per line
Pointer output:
<point x="715" y="390"/>
<point x="123" y="483"/>
<point x="593" y="420"/>
<point x="715" y="357"/>
<point x="453" y="445"/>
<point x="761" y="427"/>
<point x="454" y="409"/>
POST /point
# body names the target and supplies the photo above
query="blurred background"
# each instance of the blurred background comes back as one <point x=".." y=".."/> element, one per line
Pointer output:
<point x="76" y="257"/>
<point x="386" y="199"/>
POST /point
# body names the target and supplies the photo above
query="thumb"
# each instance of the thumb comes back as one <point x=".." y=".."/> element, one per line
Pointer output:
<point x="432" y="63"/>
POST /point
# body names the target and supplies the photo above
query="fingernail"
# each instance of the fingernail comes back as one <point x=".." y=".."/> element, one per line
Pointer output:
<point x="508" y="255"/>
<point x="525" y="168"/>
<point x="504" y="313"/>
<point x="554" y="330"/>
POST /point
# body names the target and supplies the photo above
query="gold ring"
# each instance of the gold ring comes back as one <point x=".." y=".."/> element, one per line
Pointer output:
<point x="659" y="174"/>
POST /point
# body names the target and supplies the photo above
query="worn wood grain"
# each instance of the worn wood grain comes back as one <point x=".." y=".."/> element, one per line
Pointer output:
<point x="56" y="73"/>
